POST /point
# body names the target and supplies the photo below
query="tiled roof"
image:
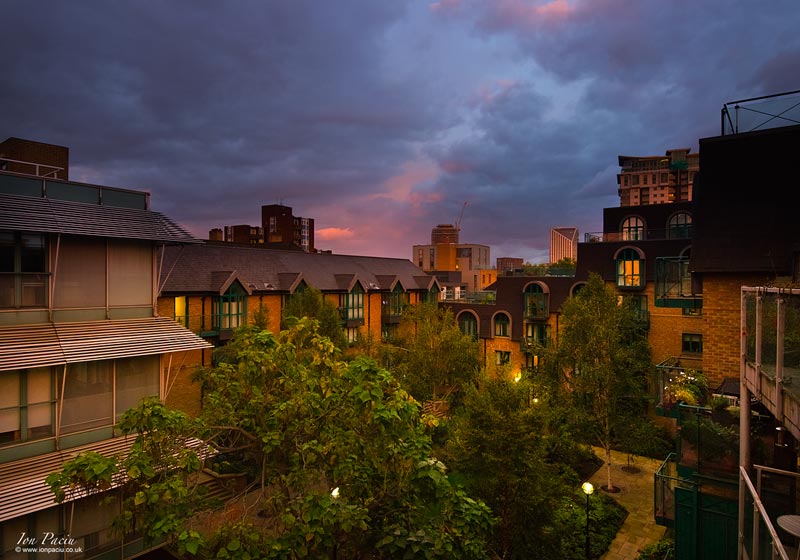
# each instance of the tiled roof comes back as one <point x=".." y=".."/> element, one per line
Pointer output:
<point x="190" y="269"/>
<point x="48" y="215"/>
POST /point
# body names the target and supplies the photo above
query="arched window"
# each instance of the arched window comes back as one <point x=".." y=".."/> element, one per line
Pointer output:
<point x="468" y="324"/>
<point x="535" y="302"/>
<point x="679" y="226"/>
<point x="577" y="288"/>
<point x="501" y="323"/>
<point x="633" y="229"/>
<point x="630" y="273"/>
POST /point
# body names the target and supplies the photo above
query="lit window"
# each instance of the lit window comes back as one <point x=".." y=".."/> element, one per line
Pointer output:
<point x="629" y="269"/>
<point x="182" y="311"/>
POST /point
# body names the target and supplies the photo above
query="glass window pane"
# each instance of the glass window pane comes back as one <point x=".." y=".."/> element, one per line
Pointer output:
<point x="9" y="406"/>
<point x="130" y="272"/>
<point x="87" y="396"/>
<point x="81" y="275"/>
<point x="137" y="378"/>
<point x="32" y="253"/>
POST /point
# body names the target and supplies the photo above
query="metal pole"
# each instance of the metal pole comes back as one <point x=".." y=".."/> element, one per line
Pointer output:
<point x="588" y="553"/>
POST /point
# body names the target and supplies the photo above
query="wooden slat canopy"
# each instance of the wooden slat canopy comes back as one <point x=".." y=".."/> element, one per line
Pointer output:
<point x="22" y="483"/>
<point x="49" y="344"/>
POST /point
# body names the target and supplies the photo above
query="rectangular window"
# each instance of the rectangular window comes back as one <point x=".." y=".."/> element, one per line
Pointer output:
<point x="26" y="405"/>
<point x="352" y="334"/>
<point x="136" y="378"/>
<point x="81" y="275"/>
<point x="23" y="270"/>
<point x="502" y="357"/>
<point x="88" y="392"/>
<point x="130" y="272"/>
<point x="96" y="394"/>
<point x="229" y="310"/>
<point x="182" y="310"/>
<point x="351" y="305"/>
<point x="692" y="343"/>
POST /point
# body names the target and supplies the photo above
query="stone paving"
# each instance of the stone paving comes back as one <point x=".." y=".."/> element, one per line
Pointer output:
<point x="636" y="494"/>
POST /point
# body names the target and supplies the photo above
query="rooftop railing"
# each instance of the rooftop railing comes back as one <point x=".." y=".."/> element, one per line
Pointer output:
<point x="44" y="187"/>
<point x="757" y="113"/>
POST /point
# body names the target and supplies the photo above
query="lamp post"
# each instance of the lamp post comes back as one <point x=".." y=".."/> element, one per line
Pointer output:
<point x="587" y="489"/>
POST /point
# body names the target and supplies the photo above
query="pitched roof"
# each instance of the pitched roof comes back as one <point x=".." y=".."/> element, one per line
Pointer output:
<point x="49" y="215"/>
<point x="190" y="268"/>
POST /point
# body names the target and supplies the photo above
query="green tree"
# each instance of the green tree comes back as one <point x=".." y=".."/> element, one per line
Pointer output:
<point x="432" y="357"/>
<point x="499" y="449"/>
<point x="159" y="490"/>
<point x="308" y="301"/>
<point x="338" y="460"/>
<point x="601" y="361"/>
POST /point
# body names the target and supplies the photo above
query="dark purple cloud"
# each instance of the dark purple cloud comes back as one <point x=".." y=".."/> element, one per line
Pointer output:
<point x="379" y="119"/>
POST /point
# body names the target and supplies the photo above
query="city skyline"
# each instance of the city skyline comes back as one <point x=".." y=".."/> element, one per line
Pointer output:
<point x="379" y="120"/>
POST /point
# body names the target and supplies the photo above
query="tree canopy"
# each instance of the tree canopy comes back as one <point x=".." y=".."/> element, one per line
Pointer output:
<point x="602" y="359"/>
<point x="432" y="357"/>
<point x="338" y="460"/>
<point x="308" y="301"/>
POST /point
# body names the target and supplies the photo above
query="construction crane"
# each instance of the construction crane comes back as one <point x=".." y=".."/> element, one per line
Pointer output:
<point x="461" y="215"/>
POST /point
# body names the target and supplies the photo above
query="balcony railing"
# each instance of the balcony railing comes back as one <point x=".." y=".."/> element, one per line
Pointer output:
<point x="42" y="187"/>
<point x="677" y="232"/>
<point x="674" y="284"/>
<point x="760" y="505"/>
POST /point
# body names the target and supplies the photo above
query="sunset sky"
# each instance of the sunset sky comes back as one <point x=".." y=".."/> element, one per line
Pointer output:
<point x="380" y="118"/>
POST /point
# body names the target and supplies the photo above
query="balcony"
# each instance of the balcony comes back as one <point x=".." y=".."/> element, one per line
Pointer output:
<point x="536" y="307"/>
<point x="674" y="284"/>
<point x="532" y="344"/>
<point x="683" y="231"/>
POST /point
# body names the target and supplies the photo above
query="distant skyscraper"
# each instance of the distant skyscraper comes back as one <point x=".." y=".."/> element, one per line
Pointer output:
<point x="563" y="244"/>
<point x="663" y="179"/>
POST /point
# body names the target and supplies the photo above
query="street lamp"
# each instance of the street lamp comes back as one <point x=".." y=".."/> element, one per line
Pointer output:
<point x="587" y="489"/>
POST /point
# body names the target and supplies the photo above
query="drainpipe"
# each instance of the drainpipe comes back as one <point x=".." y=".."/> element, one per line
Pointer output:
<point x="781" y="312"/>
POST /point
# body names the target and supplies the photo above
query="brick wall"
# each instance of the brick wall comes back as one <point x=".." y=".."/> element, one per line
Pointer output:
<point x="721" y="314"/>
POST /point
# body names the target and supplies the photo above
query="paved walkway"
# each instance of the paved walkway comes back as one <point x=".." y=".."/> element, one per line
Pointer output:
<point x="636" y="494"/>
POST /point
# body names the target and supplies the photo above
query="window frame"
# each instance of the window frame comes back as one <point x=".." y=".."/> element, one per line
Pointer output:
<point x="629" y="269"/>
<point x="465" y="319"/>
<point x="501" y="328"/>
<point x="633" y="229"/>
<point x="17" y="276"/>
<point x="691" y="343"/>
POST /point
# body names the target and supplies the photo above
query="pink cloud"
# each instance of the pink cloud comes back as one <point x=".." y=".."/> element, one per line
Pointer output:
<point x="333" y="233"/>
<point x="525" y="14"/>
<point x="405" y="186"/>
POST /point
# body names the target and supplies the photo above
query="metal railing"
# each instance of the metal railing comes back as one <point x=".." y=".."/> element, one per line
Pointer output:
<point x="758" y="539"/>
<point x="684" y="231"/>
<point x="767" y="111"/>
